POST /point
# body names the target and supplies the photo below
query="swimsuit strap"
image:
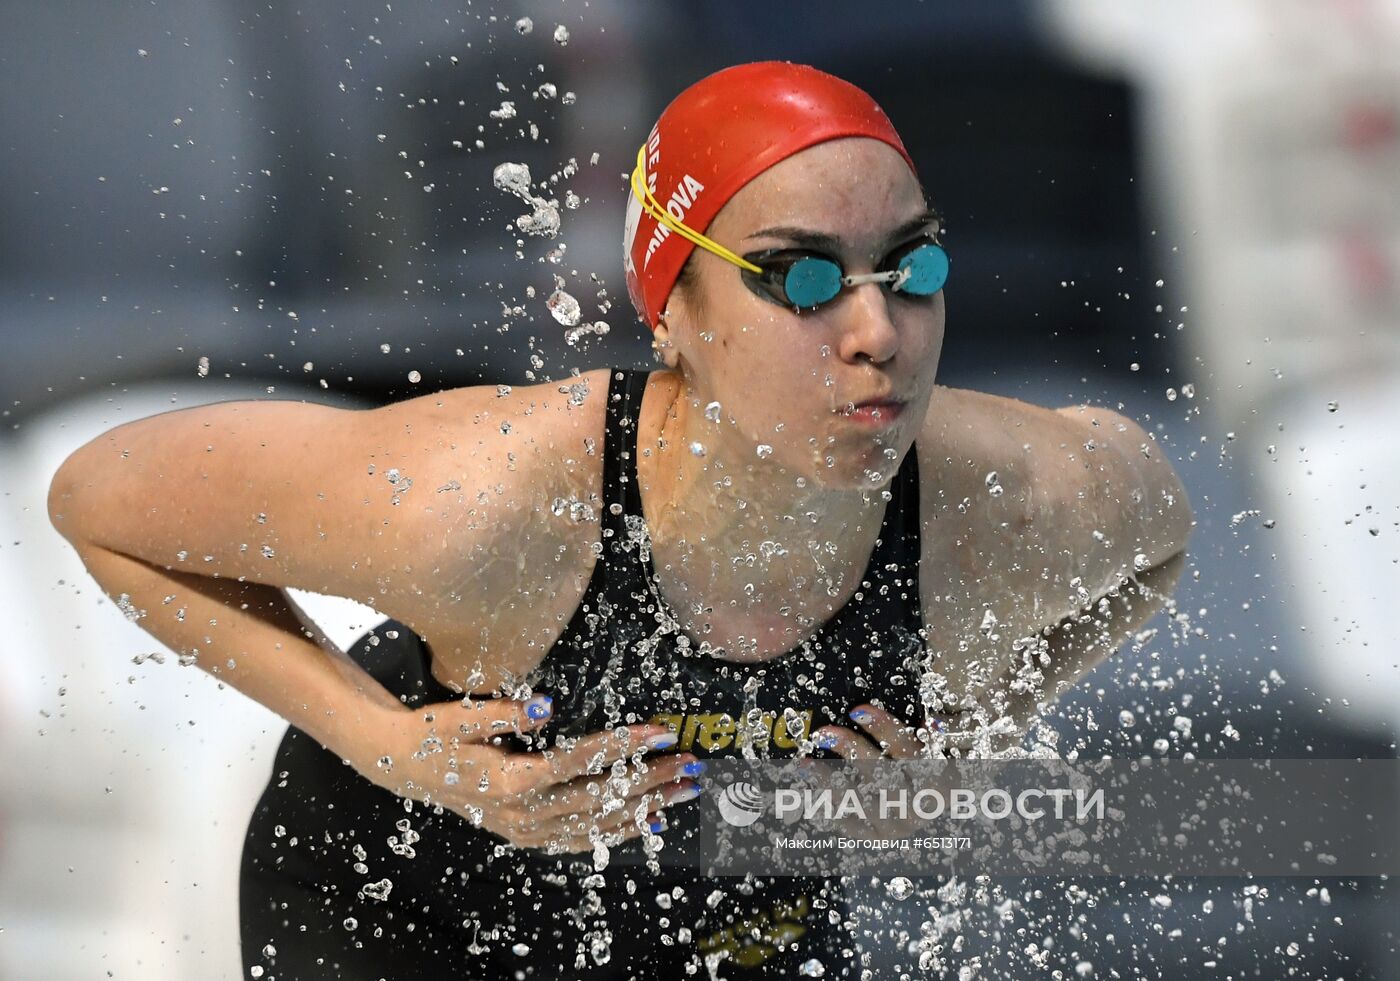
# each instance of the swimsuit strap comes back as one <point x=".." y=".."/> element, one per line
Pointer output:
<point x="619" y="441"/>
<point x="633" y="389"/>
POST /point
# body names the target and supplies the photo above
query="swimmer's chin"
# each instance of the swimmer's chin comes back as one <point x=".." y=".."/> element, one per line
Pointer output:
<point x="854" y="474"/>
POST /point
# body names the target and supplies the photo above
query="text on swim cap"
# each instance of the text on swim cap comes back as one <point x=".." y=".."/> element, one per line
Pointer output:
<point x="653" y="158"/>
<point x="680" y="201"/>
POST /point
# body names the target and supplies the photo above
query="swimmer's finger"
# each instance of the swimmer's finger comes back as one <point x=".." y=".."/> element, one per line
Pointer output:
<point x="580" y="837"/>
<point x="577" y="830"/>
<point x="598" y="750"/>
<point x="846" y="743"/>
<point x="896" y="738"/>
<point x="952" y="730"/>
<point x="583" y="793"/>
<point x="481" y="719"/>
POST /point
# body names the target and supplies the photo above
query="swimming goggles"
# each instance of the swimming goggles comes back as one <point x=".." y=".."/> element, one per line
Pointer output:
<point x="801" y="278"/>
<point x="805" y="280"/>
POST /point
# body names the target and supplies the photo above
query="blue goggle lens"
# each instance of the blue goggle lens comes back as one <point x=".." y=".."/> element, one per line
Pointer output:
<point x="811" y="281"/>
<point x="928" y="270"/>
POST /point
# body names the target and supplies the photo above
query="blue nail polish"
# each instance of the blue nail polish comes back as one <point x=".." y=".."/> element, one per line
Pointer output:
<point x="689" y="793"/>
<point x="663" y="741"/>
<point x="539" y="706"/>
<point x="860" y="715"/>
<point x="824" y="740"/>
<point x="694" y="767"/>
<point x="655" y="826"/>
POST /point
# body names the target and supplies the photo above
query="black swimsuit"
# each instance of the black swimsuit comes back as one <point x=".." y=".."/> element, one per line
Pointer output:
<point x="323" y="840"/>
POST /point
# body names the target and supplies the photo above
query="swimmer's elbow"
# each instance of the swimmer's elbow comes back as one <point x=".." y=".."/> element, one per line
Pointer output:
<point x="63" y="500"/>
<point x="1151" y="492"/>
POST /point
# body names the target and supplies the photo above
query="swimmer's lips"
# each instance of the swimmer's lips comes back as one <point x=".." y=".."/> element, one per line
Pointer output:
<point x="880" y="412"/>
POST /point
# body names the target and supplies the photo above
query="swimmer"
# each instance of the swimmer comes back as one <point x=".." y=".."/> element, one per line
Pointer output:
<point x="786" y="539"/>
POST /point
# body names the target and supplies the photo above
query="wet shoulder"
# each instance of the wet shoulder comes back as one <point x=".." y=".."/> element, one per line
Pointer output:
<point x="976" y="459"/>
<point x="519" y="518"/>
<point x="1002" y="520"/>
<point x="974" y="448"/>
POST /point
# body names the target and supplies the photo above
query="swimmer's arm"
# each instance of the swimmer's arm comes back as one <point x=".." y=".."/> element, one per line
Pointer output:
<point x="1079" y="643"/>
<point x="248" y="636"/>
<point x="371" y="504"/>
<point x="1087" y="499"/>
<point x="1108" y="559"/>
<point x="1081" y="497"/>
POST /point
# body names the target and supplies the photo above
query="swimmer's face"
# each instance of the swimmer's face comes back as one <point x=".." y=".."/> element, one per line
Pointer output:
<point x="786" y="378"/>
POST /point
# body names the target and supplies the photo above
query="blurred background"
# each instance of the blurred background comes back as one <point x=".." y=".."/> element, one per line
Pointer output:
<point x="1187" y="211"/>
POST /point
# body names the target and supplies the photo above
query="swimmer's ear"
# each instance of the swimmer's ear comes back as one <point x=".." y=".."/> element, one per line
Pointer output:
<point x="661" y="345"/>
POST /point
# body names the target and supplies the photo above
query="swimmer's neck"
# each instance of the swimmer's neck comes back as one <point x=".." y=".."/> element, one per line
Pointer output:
<point x="723" y="504"/>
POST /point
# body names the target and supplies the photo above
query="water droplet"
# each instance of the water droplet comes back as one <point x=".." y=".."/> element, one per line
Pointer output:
<point x="544" y="220"/>
<point x="564" y="308"/>
<point x="764" y="451"/>
<point x="698" y="448"/>
<point x="524" y="25"/>
<point x="512" y="177"/>
<point x="900" y="887"/>
<point x="414" y="377"/>
<point x="351" y="923"/>
<point x="561" y="35"/>
<point x="812" y="969"/>
<point x="377" y="890"/>
<point x="1140" y="562"/>
<point x="712" y="412"/>
<point x="1127" y="719"/>
<point x="989" y="622"/>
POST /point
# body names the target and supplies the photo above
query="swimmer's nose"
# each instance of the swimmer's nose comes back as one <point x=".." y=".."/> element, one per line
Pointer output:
<point x="868" y="329"/>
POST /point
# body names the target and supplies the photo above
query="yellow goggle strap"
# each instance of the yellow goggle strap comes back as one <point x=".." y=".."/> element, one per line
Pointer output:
<point x="653" y="207"/>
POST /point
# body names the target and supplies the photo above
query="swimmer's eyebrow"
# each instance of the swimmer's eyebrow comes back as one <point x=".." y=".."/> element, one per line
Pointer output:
<point x="830" y="243"/>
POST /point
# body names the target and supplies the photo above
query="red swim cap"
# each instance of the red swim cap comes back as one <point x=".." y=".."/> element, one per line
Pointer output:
<point x="718" y="135"/>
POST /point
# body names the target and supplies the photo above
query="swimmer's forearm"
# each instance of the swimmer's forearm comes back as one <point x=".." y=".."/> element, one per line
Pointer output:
<point x="1082" y="642"/>
<point x="247" y="636"/>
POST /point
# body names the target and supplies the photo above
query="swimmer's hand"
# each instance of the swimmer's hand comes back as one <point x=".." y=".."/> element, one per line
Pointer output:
<point x="885" y="736"/>
<point x="562" y="800"/>
<point x="888" y="737"/>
